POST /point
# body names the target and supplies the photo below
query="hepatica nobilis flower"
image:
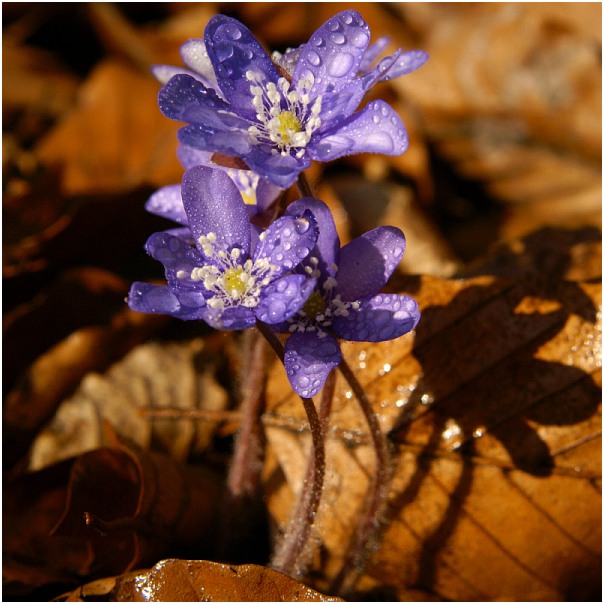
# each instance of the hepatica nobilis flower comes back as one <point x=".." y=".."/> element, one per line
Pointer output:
<point x="279" y="115"/>
<point x="257" y="193"/>
<point x="346" y="303"/>
<point x="221" y="269"/>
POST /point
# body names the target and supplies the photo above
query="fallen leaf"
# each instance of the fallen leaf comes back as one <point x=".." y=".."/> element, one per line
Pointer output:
<point x="199" y="581"/>
<point x="56" y="373"/>
<point x="139" y="507"/>
<point x="153" y="376"/>
<point x="493" y="412"/>
<point x="511" y="96"/>
<point x="115" y="138"/>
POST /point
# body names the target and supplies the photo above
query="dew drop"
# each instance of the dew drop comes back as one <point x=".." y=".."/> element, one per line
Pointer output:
<point x="279" y="257"/>
<point x="347" y="19"/>
<point x="313" y="58"/>
<point x="302" y="225"/>
<point x="233" y="32"/>
<point x="224" y="51"/>
<point x="338" y="38"/>
<point x="376" y="119"/>
<point x="348" y="394"/>
<point x="340" y="64"/>
<point x="426" y="399"/>
<point x="479" y="432"/>
<point x="385" y="369"/>
<point x="318" y="41"/>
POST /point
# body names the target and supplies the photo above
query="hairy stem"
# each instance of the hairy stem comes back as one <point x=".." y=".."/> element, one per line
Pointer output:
<point x="369" y="524"/>
<point x="244" y="473"/>
<point x="304" y="186"/>
<point x="289" y="557"/>
<point x="242" y="506"/>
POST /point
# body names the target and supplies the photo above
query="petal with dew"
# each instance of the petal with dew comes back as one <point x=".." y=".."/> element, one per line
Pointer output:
<point x="160" y="299"/>
<point x="287" y="241"/>
<point x="167" y="203"/>
<point x="233" y="51"/>
<point x="333" y="54"/>
<point x="383" y="317"/>
<point x="367" y="262"/>
<point x="327" y="247"/>
<point x="283" y="298"/>
<point x="214" y="205"/>
<point x="308" y="361"/>
<point x="375" y="129"/>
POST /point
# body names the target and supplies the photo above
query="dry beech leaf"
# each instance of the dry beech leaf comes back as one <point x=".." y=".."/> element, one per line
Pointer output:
<point x="493" y="411"/>
<point x="56" y="373"/>
<point x="152" y="376"/>
<point x="141" y="505"/>
<point x="199" y="581"/>
<point x="115" y="138"/>
<point x="512" y="95"/>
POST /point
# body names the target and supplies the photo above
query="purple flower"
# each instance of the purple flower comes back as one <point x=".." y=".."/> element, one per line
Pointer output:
<point x="279" y="117"/>
<point x="221" y="269"/>
<point x="257" y="193"/>
<point x="345" y="303"/>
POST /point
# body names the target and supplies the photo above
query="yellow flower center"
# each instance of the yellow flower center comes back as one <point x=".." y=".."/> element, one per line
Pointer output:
<point x="289" y="124"/>
<point x="314" y="306"/>
<point x="235" y="281"/>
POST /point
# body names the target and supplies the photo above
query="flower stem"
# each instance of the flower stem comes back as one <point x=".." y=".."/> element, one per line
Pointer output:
<point x="244" y="473"/>
<point x="369" y="524"/>
<point x="304" y="186"/>
<point x="241" y="509"/>
<point x="289" y="557"/>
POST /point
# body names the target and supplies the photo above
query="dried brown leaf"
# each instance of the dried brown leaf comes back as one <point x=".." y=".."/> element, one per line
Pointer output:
<point x="138" y="506"/>
<point x="153" y="376"/>
<point x="55" y="374"/>
<point x="115" y="138"/>
<point x="512" y="96"/>
<point x="493" y="411"/>
<point x="199" y="581"/>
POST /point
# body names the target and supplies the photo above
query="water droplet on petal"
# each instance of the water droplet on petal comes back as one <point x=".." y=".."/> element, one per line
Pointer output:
<point x="338" y="38"/>
<point x="340" y="64"/>
<point x="233" y="32"/>
<point x="318" y="41"/>
<point x="347" y="19"/>
<point x="224" y="51"/>
<point x="302" y="225"/>
<point x="313" y="58"/>
<point x="358" y="38"/>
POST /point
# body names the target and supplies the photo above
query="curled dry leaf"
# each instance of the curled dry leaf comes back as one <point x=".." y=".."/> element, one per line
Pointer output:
<point x="153" y="376"/>
<point x="493" y="412"/>
<point x="138" y="507"/>
<point x="199" y="581"/>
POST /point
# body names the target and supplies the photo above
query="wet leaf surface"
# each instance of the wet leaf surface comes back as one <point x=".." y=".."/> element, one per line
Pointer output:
<point x="493" y="412"/>
<point x="199" y="581"/>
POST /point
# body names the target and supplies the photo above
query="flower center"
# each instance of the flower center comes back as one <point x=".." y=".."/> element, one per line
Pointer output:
<point x="230" y="278"/>
<point x="314" y="305"/>
<point x="234" y="281"/>
<point x="286" y="118"/>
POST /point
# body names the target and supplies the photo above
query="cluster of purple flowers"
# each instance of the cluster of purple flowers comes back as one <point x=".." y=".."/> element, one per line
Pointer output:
<point x="270" y="116"/>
